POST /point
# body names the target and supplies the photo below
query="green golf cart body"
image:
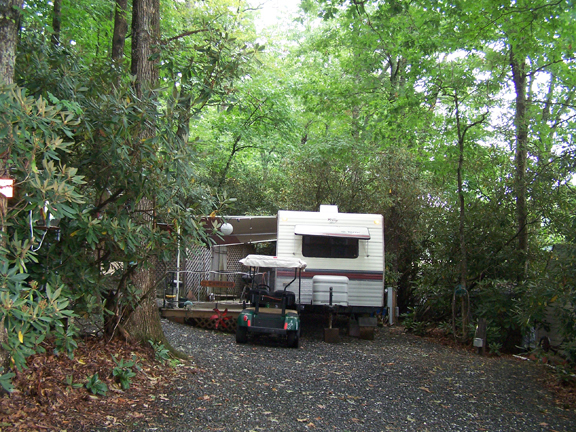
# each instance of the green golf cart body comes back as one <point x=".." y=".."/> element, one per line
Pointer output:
<point x="271" y="312"/>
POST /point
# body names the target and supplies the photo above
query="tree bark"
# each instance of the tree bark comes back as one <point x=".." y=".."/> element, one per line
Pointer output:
<point x="56" y="22"/>
<point x="120" y="30"/>
<point x="145" y="35"/>
<point x="184" y="105"/>
<point x="462" y="219"/>
<point x="520" y="78"/>
<point x="144" y="322"/>
<point x="461" y="201"/>
<point x="9" y="23"/>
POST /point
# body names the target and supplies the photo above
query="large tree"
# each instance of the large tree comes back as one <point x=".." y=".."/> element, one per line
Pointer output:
<point x="9" y="20"/>
<point x="144" y="323"/>
<point x="120" y="30"/>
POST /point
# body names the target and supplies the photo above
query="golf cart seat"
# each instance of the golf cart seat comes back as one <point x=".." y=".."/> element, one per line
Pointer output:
<point x="254" y="294"/>
<point x="278" y="295"/>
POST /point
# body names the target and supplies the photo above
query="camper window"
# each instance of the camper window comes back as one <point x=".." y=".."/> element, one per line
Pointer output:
<point x="329" y="247"/>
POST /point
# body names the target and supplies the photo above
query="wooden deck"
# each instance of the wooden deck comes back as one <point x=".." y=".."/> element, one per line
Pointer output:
<point x="201" y="314"/>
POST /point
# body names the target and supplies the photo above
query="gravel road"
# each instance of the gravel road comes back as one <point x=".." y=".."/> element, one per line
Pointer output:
<point x="397" y="382"/>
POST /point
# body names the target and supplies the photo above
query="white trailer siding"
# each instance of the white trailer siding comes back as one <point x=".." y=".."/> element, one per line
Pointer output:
<point x="366" y="272"/>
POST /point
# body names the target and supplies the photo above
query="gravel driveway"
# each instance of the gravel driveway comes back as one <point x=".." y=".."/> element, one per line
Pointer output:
<point x="397" y="382"/>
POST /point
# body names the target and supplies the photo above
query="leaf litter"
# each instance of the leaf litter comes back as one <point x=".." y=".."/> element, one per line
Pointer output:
<point x="50" y="394"/>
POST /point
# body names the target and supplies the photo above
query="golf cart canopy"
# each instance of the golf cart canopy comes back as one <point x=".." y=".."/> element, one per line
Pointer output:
<point x="273" y="262"/>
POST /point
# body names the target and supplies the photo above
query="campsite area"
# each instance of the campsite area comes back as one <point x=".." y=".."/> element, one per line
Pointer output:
<point x="417" y="155"/>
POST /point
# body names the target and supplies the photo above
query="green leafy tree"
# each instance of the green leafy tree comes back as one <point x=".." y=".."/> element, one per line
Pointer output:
<point x="140" y="192"/>
<point x="34" y="139"/>
<point x="528" y="44"/>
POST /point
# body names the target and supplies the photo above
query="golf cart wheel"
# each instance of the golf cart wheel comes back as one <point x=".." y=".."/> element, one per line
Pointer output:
<point x="242" y="335"/>
<point x="293" y="339"/>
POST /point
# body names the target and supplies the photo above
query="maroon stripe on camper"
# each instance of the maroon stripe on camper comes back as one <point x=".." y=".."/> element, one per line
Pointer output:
<point x="355" y="275"/>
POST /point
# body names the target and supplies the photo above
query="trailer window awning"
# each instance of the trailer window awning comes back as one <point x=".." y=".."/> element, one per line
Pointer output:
<point x="361" y="233"/>
<point x="273" y="262"/>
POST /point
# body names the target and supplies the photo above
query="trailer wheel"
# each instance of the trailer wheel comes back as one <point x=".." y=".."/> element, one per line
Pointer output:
<point x="293" y="339"/>
<point x="242" y="335"/>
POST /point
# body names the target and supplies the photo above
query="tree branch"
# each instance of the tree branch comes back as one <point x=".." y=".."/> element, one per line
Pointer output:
<point x="111" y="199"/>
<point x="183" y="35"/>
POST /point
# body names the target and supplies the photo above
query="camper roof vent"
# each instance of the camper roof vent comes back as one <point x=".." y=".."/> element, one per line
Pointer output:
<point x="328" y="208"/>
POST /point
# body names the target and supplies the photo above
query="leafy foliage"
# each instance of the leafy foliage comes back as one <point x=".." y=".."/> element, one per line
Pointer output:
<point x="161" y="353"/>
<point x="95" y="202"/>
<point x="123" y="372"/>
<point x="426" y="60"/>
<point x="6" y="380"/>
<point x="95" y="386"/>
<point x="34" y="138"/>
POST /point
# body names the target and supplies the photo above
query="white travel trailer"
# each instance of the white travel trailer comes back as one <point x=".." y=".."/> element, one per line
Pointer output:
<point x="345" y="257"/>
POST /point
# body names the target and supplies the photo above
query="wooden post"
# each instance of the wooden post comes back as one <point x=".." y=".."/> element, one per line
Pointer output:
<point x="331" y="335"/>
<point x="480" y="335"/>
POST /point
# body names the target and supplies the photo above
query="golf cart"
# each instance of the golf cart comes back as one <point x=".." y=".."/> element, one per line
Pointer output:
<point x="271" y="312"/>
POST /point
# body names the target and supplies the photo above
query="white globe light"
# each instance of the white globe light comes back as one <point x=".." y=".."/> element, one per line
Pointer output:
<point x="226" y="229"/>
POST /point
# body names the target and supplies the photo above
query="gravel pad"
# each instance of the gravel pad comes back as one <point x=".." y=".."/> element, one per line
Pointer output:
<point x="396" y="382"/>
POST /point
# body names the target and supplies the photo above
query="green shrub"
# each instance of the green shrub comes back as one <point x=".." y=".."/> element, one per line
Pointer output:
<point x="123" y="372"/>
<point x="411" y="322"/>
<point x="495" y="347"/>
<point x="96" y="386"/>
<point x="70" y="382"/>
<point x="6" y="380"/>
<point x="161" y="353"/>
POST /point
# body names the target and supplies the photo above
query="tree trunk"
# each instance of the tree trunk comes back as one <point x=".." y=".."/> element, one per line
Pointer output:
<point x="184" y="105"/>
<point x="462" y="219"/>
<point x="520" y="77"/>
<point x="144" y="322"/>
<point x="9" y="22"/>
<point x="120" y="30"/>
<point x="145" y="34"/>
<point x="461" y="202"/>
<point x="56" y="21"/>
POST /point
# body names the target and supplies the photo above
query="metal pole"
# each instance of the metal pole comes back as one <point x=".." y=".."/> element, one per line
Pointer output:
<point x="299" y="284"/>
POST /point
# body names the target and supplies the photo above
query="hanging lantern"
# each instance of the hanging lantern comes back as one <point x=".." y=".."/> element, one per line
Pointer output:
<point x="226" y="229"/>
<point x="7" y="187"/>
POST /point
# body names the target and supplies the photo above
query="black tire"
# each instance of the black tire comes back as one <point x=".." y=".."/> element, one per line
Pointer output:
<point x="293" y="339"/>
<point x="242" y="335"/>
